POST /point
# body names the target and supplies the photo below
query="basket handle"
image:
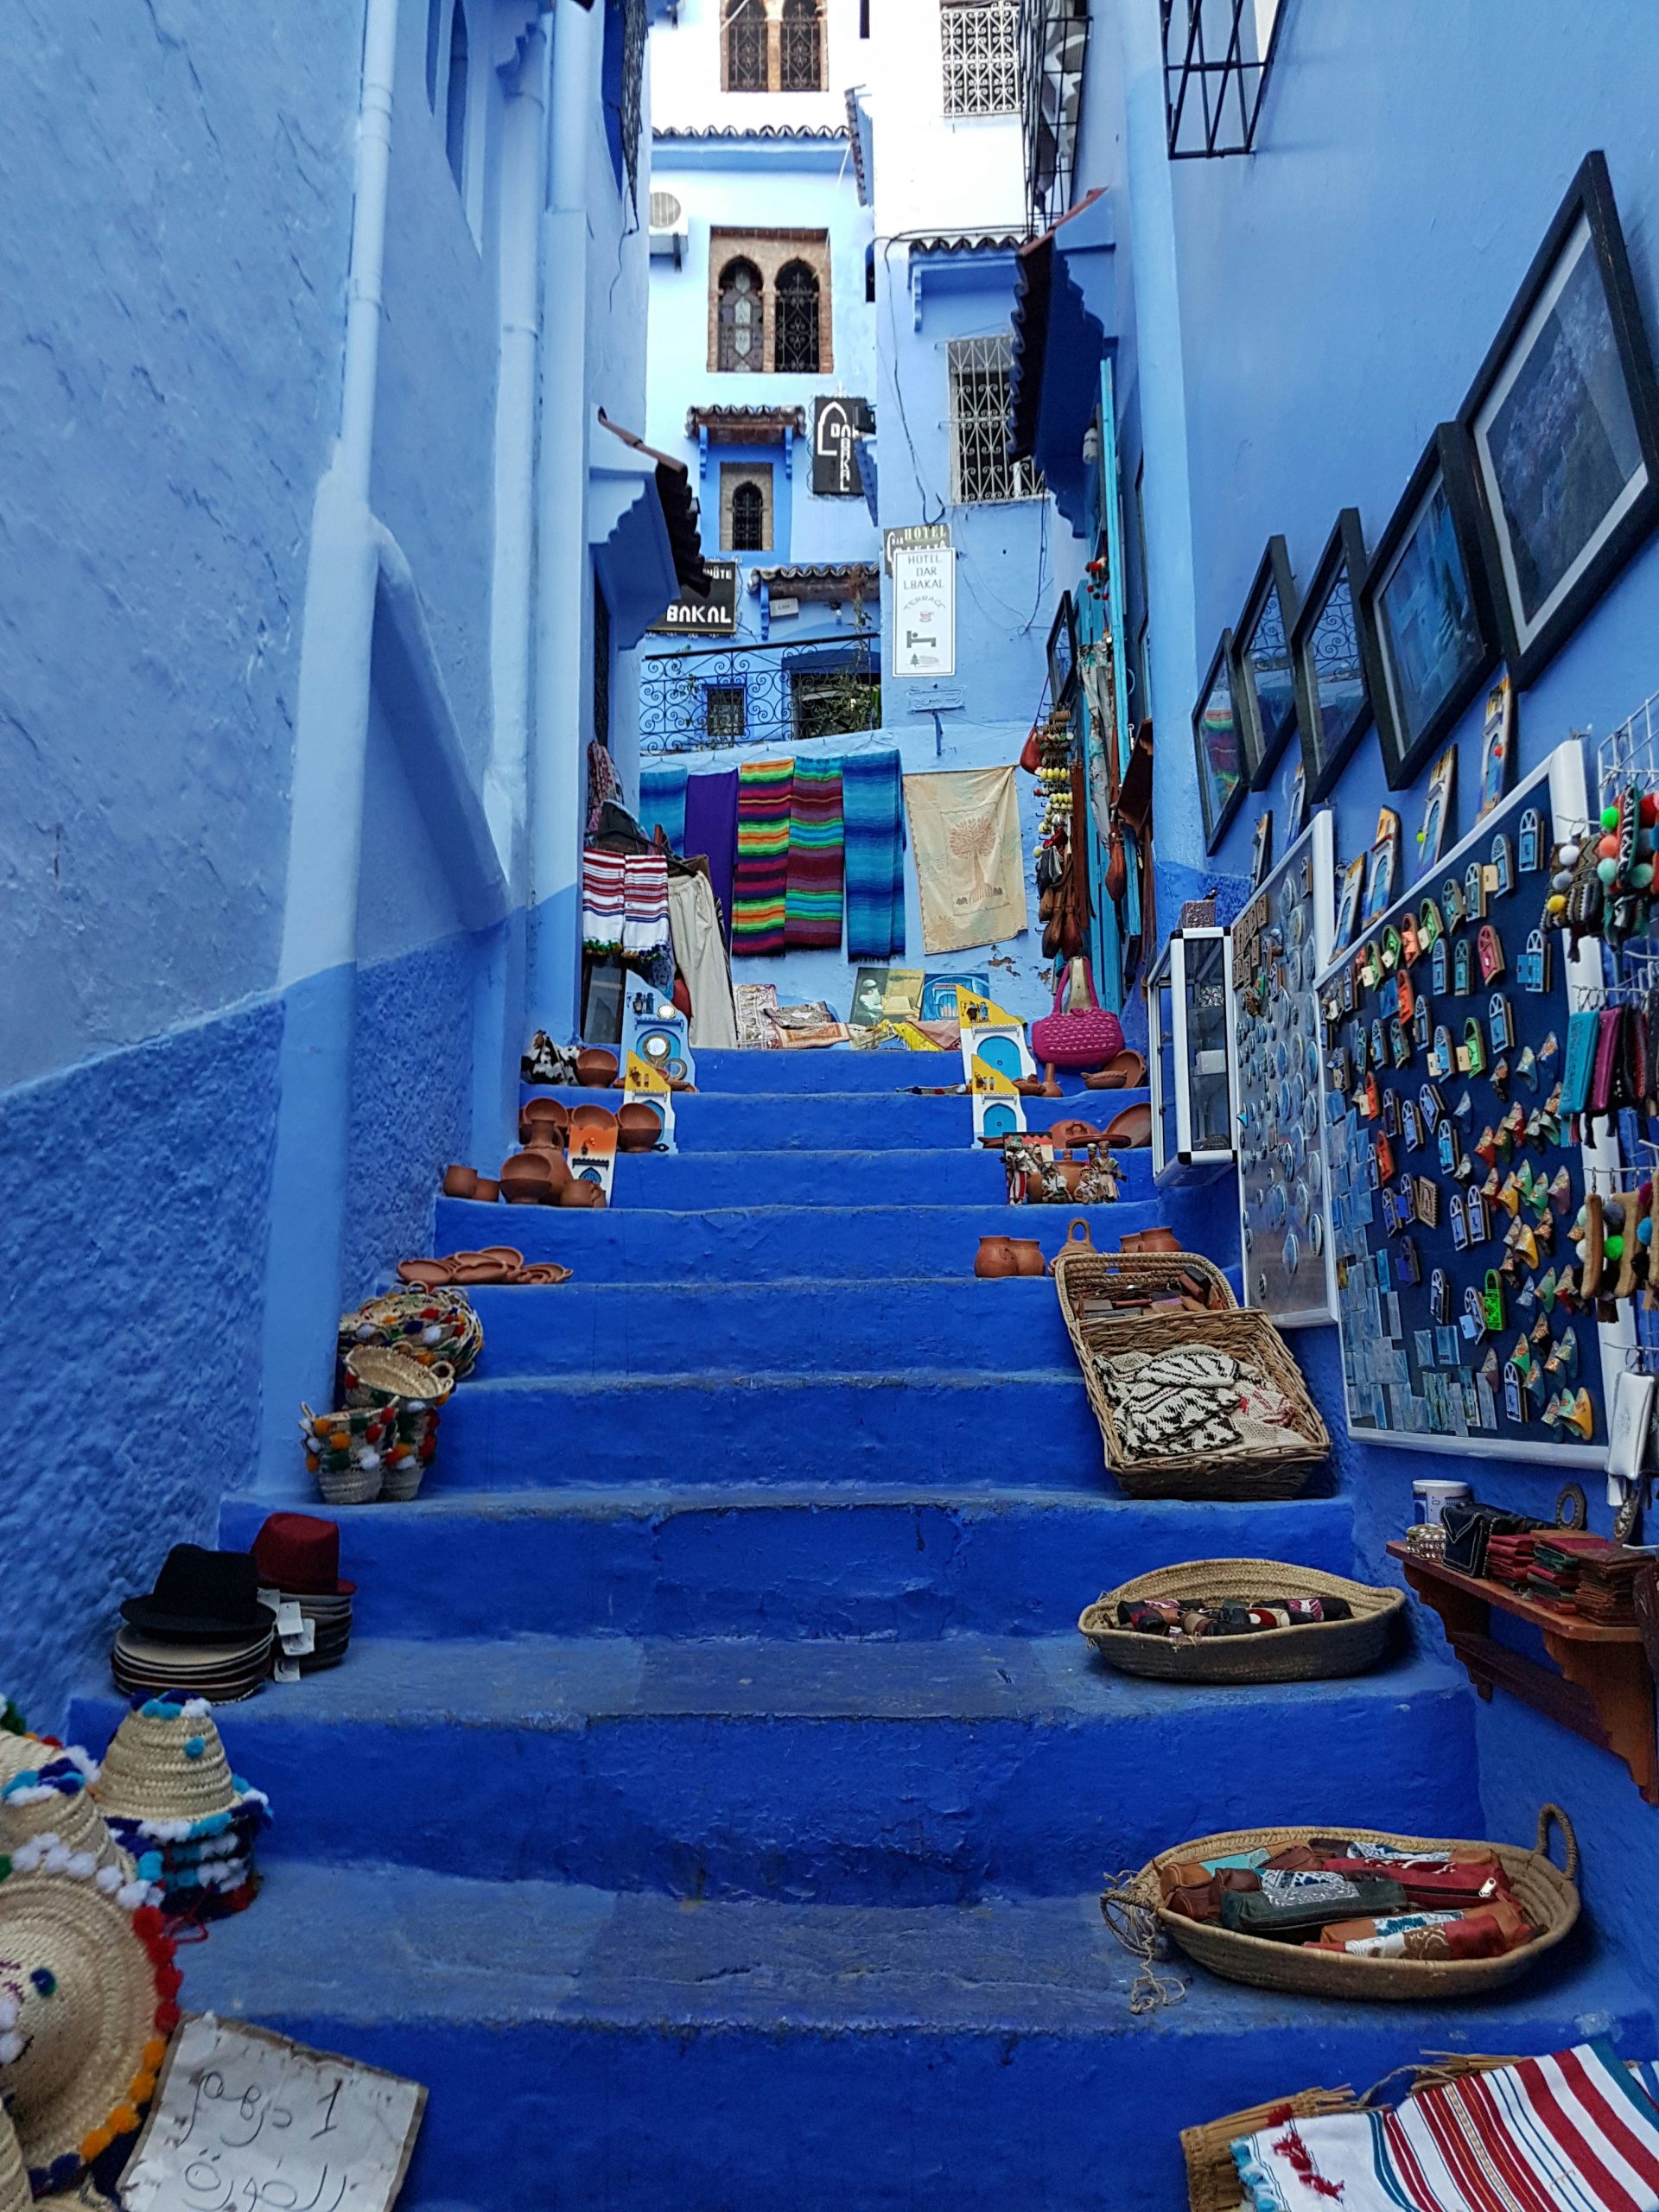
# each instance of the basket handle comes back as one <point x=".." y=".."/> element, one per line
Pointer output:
<point x="1548" y="1815"/>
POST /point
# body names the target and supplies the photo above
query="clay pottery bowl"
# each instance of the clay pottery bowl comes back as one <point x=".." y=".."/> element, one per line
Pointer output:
<point x="487" y="1190"/>
<point x="1125" y="1071"/>
<point x="596" y="1067"/>
<point x="544" y="1272"/>
<point x="1067" y="1133"/>
<point x="509" y="1255"/>
<point x="427" y="1275"/>
<point x="994" y="1259"/>
<point x="558" y="1171"/>
<point x="547" y="1114"/>
<point x="474" y="1268"/>
<point x="1130" y="1128"/>
<point x="459" y="1182"/>
<point x="1151" y="1240"/>
<point x="578" y="1193"/>
<point x="1027" y="1253"/>
<point x="637" y="1127"/>
<point x="527" y="1178"/>
<point x="591" y="1117"/>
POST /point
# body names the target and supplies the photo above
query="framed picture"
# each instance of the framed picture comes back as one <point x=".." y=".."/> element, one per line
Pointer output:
<point x="1348" y="906"/>
<point x="1261" y="849"/>
<point x="1333" y="658"/>
<point x="1426" y="598"/>
<point x="1264" y="682"/>
<point x="1496" y="744"/>
<point x="1436" y="809"/>
<point x="1563" y="420"/>
<point x="1215" y="742"/>
<point x="1063" y="653"/>
<point x="1299" y="800"/>
<point x="1385" y="865"/>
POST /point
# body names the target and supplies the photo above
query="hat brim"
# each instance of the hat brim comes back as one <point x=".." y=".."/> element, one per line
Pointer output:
<point x="193" y="1628"/>
<point x="338" y="1588"/>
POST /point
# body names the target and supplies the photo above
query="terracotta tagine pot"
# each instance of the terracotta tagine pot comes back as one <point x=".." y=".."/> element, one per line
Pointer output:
<point x="637" y="1127"/>
<point x="596" y="1067"/>
<point x="576" y="1193"/>
<point x="459" y="1182"/>
<point x="487" y="1190"/>
<point x="1028" y="1254"/>
<point x="994" y="1259"/>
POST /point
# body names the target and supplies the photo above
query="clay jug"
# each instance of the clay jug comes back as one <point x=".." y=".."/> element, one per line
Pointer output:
<point x="1078" y="1239"/>
<point x="1028" y="1254"/>
<point x="994" y="1259"/>
<point x="576" y="1193"/>
<point x="1158" y="1240"/>
<point x="459" y="1182"/>
<point x="487" y="1190"/>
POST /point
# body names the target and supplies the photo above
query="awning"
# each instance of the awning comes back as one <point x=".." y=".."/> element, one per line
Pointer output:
<point x="745" y="426"/>
<point x="1064" y="318"/>
<point x="825" y="580"/>
<point x="679" y="503"/>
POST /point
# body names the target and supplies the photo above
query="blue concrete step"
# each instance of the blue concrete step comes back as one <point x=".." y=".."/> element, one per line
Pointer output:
<point x="627" y="2050"/>
<point x="799" y="1327"/>
<point x="663" y="1558"/>
<point x="692" y="1181"/>
<point x="1013" y="1428"/>
<point x="630" y="1243"/>
<point x="835" y="1068"/>
<point x="915" y="1773"/>
<point x="850" y="1121"/>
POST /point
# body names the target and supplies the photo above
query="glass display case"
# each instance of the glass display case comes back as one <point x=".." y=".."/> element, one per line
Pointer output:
<point x="1191" y="1093"/>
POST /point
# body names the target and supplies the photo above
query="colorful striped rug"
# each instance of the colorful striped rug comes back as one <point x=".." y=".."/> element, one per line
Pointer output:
<point x="662" y="798"/>
<point x="761" y="886"/>
<point x="872" y="799"/>
<point x="813" y="918"/>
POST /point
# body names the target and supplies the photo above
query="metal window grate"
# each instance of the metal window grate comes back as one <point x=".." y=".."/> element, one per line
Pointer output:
<point x="748" y="533"/>
<point x="1053" y="48"/>
<point x="834" y="703"/>
<point x="745" y="45"/>
<point x="1216" y="57"/>
<point x="800" y="48"/>
<point x="779" y="694"/>
<point x="982" y="58"/>
<point x="794" y="319"/>
<point x="982" y="472"/>
<point x="742" y="314"/>
<point x="723" y="709"/>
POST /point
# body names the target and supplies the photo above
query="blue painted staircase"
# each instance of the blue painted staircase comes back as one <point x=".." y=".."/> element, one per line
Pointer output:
<point x="713" y="1805"/>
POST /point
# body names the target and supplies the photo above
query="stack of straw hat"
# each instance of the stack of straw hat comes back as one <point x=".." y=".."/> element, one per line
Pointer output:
<point x="201" y="1630"/>
<point x="90" y="2001"/>
<point x="298" y="1557"/>
<point x="45" y="1788"/>
<point x="167" y="1791"/>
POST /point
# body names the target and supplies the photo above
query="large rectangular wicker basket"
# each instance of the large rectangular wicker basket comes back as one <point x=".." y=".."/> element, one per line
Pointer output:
<point x="1313" y="1653"/>
<point x="1275" y="1471"/>
<point x="1546" y="1893"/>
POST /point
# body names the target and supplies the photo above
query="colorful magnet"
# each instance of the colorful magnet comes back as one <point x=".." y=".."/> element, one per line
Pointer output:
<point x="1411" y="943"/>
<point x="1460" y="1222"/>
<point x="1441" y="1059"/>
<point x="1502" y="866"/>
<point x="1440" y="968"/>
<point x="1426" y="1202"/>
<point x="1474" y="892"/>
<point x="1390" y="1114"/>
<point x="1407" y="1266"/>
<point x="1405" y="996"/>
<point x="1432" y="1107"/>
<point x="1488" y="950"/>
<point x="1391" y="949"/>
<point x="1492" y="1302"/>
<point x="1531" y="857"/>
<point x="1532" y="968"/>
<point x="1472" y="1053"/>
<point x="1451" y="900"/>
<point x="1449" y="1150"/>
<point x="1439" y="1298"/>
<point x="1463" y="968"/>
<point x="1500" y="1022"/>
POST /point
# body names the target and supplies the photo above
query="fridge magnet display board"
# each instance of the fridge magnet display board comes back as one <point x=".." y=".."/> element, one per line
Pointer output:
<point x="1452" y="1179"/>
<point x="1281" y="943"/>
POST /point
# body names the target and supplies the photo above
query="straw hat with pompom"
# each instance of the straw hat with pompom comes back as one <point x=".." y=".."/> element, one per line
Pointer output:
<point x="166" y="1762"/>
<point x="46" y="1790"/>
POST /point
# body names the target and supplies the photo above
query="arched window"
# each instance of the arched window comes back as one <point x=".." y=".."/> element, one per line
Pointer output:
<point x="433" y="33"/>
<point x="796" y="338"/>
<point x="742" y="336"/>
<point x="745" y="45"/>
<point x="748" y="520"/>
<point x="800" y="48"/>
<point x="454" y="111"/>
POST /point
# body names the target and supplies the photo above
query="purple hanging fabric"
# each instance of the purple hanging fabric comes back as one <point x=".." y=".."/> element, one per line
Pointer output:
<point x="711" y="828"/>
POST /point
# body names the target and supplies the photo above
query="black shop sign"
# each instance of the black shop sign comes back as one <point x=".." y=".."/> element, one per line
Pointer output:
<point x="836" y="425"/>
<point x="715" y="616"/>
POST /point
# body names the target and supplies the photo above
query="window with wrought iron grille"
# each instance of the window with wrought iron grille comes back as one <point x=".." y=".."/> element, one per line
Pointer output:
<point x="981" y="472"/>
<point x="833" y="702"/>
<point x="745" y="45"/>
<point x="723" y="709"/>
<point x="744" y="507"/>
<point x="742" y="317"/>
<point x="800" y="48"/>
<point x="794" y="319"/>
<point x="980" y="41"/>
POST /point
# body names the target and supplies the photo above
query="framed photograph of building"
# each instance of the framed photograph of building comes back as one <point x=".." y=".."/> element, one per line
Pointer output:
<point x="1063" y="653"/>
<point x="1564" y="423"/>
<point x="1264" y="682"/>
<point x="1426" y="598"/>
<point x="1215" y="745"/>
<point x="1332" y="658"/>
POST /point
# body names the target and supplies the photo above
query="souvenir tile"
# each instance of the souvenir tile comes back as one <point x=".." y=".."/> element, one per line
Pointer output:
<point x="1368" y="966"/>
<point x="1474" y="1217"/>
<point x="1472" y="1053"/>
<point x="1405" y="1198"/>
<point x="1487" y="1402"/>
<point x="1427" y="1201"/>
<point x="1441" y="1060"/>
<point x="1531" y="854"/>
<point x="1532" y="968"/>
<point x="1420" y="1019"/>
<point x="1379" y="1044"/>
<point x="1340" y="1070"/>
<point x="1399" y="1044"/>
<point x="1361" y="1047"/>
<point x="1391" y="1114"/>
<point x="1502" y="866"/>
<point x="1449" y="1150"/>
<point x="1500" y="1024"/>
<point x="1391" y="1215"/>
<point x="1463" y="968"/>
<point x="1371" y="1105"/>
<point x="1405" y="996"/>
<point x="1433" y="1106"/>
<point x="1492" y="1301"/>
<point x="1392" y="950"/>
<point x="1473" y="1319"/>
<point x="1440" y="1290"/>
<point x="1447" y="1343"/>
<point x="1514" y="1397"/>
<point x="1391" y="1326"/>
<point x="1422" y="1342"/>
<point x="1406" y="1265"/>
<point x="1453" y="904"/>
<point x="1489" y="948"/>
<point x="1411" y="1128"/>
<point x="1439" y="968"/>
<point x="1383" y="1154"/>
<point x="1461" y="1222"/>
<point x="1411" y="943"/>
<point x="1474" y="892"/>
<point x="1347" y="990"/>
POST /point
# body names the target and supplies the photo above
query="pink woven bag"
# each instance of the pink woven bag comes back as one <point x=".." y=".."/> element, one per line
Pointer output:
<point x="1080" y="1034"/>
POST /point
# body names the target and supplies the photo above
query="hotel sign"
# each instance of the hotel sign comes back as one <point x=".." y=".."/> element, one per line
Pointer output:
<point x="836" y="425"/>
<point x="715" y="617"/>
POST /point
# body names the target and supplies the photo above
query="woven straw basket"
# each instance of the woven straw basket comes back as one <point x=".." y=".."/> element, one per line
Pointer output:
<point x="1212" y="2183"/>
<point x="378" y="1375"/>
<point x="1275" y="1471"/>
<point x="1548" y="1894"/>
<point x="1313" y="1653"/>
<point x="148" y="1775"/>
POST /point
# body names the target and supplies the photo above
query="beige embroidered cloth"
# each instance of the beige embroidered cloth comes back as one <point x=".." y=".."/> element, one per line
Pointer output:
<point x="964" y="831"/>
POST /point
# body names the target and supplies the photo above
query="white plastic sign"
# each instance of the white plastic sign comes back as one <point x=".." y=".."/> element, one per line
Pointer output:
<point x="924" y="610"/>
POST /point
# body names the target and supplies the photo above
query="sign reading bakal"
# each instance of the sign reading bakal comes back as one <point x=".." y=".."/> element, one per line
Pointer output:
<point x="715" y="616"/>
<point x="838" y="423"/>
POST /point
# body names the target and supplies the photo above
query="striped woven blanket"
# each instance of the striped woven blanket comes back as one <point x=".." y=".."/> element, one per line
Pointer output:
<point x="662" y="799"/>
<point x="814" y="857"/>
<point x="1574" y="2133"/>
<point x="872" y="796"/>
<point x="760" y="886"/>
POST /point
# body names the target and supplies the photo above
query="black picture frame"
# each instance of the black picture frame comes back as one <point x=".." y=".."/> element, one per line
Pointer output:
<point x="1432" y="534"/>
<point x="1557" y="452"/>
<point x="1212" y="737"/>
<point x="1333" y="650"/>
<point x="1267" y="711"/>
<point x="1063" y="654"/>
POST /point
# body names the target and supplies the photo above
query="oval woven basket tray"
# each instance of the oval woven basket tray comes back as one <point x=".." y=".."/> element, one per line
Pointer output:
<point x="1279" y="1654"/>
<point x="1547" y="1895"/>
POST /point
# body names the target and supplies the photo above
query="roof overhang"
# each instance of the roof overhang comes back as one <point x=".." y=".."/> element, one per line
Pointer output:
<point x="642" y="528"/>
<point x="745" y="426"/>
<point x="1064" y="320"/>
<point x="980" y="262"/>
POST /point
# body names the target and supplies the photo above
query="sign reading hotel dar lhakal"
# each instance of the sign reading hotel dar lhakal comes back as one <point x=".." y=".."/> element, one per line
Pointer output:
<point x="838" y="423"/>
<point x="923" y="610"/>
<point x="715" y="616"/>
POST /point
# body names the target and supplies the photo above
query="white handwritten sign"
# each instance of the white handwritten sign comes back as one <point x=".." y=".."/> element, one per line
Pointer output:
<point x="246" y="2121"/>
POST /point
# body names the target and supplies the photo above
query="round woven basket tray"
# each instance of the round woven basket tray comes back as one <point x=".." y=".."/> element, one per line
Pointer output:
<point x="1549" y="1895"/>
<point x="1279" y="1654"/>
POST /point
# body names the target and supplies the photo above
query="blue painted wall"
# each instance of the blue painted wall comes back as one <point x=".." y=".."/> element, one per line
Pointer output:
<point x="1318" y="308"/>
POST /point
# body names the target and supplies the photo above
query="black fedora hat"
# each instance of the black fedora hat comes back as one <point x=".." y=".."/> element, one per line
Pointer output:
<point x="202" y="1597"/>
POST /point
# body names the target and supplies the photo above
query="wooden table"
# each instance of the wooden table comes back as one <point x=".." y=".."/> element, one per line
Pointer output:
<point x="1603" y="1691"/>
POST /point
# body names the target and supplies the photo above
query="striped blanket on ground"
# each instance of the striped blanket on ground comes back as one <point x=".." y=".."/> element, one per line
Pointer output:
<point x="813" y="918"/>
<point x="872" y="797"/>
<point x="1574" y="2133"/>
<point x="761" y="886"/>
